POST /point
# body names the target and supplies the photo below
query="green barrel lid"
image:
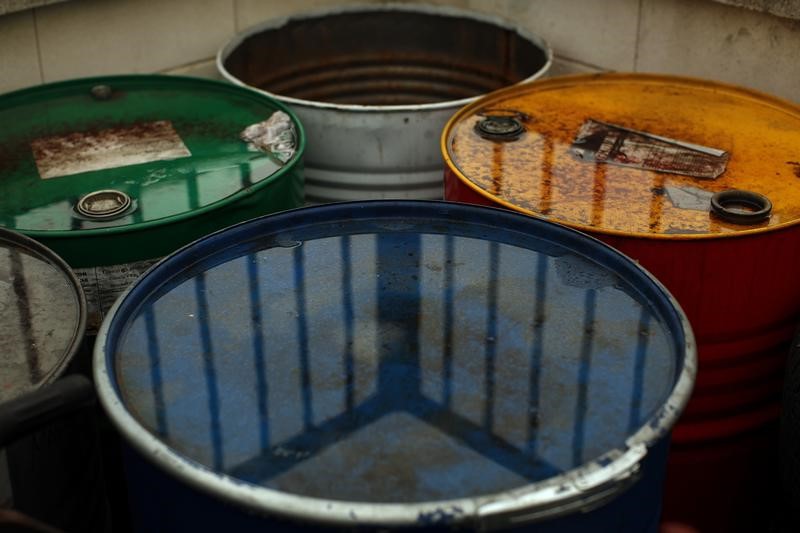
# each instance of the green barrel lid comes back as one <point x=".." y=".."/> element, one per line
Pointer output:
<point x="119" y="153"/>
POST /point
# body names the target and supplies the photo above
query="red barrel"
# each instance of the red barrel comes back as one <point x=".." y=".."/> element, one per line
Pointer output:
<point x="700" y="183"/>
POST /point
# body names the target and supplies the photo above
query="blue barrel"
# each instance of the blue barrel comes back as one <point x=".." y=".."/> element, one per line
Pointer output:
<point x="396" y="364"/>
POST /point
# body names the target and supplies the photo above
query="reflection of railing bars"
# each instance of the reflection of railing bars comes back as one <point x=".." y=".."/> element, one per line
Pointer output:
<point x="262" y="386"/>
<point x="583" y="377"/>
<point x="537" y="351"/>
<point x="638" y="376"/>
<point x="24" y="313"/>
<point x="399" y="370"/>
<point x="154" y="356"/>
<point x="302" y="334"/>
<point x="208" y="366"/>
<point x="398" y="309"/>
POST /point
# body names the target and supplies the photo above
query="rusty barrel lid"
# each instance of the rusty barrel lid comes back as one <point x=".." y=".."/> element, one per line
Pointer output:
<point x="42" y="315"/>
<point x="639" y="155"/>
<point x="397" y="363"/>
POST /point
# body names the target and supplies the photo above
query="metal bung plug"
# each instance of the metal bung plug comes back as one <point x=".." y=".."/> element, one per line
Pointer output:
<point x="741" y="207"/>
<point x="101" y="92"/>
<point x="500" y="128"/>
<point x="103" y="205"/>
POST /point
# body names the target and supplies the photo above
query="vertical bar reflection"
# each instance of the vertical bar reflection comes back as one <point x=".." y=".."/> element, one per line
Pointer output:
<point x="154" y="355"/>
<point x="537" y="350"/>
<point x="447" y="363"/>
<point x="583" y="377"/>
<point x="210" y="371"/>
<point x="302" y="334"/>
<point x="256" y="320"/>
<point x="349" y="318"/>
<point x="643" y="336"/>
<point x="491" y="334"/>
<point x="25" y="318"/>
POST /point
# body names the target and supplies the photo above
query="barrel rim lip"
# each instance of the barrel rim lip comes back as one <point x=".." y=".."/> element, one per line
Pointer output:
<point x="292" y="165"/>
<point x="47" y="255"/>
<point x="426" y="9"/>
<point x="760" y="97"/>
<point x="269" y="501"/>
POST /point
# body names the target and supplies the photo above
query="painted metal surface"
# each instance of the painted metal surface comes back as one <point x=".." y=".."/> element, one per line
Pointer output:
<point x="42" y="322"/>
<point x="113" y="173"/>
<point x="736" y="282"/>
<point x="374" y="85"/>
<point x="42" y="315"/>
<point x="400" y="364"/>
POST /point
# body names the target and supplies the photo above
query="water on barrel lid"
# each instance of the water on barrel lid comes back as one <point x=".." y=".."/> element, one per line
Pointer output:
<point x="392" y="366"/>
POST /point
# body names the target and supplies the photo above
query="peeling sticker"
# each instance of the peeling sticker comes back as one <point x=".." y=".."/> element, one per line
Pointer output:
<point x="275" y="136"/>
<point x="102" y="286"/>
<point x="689" y="198"/>
<point x="74" y="153"/>
<point x="608" y="143"/>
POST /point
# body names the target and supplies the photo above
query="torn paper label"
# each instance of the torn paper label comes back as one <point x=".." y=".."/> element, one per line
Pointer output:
<point x="276" y="136"/>
<point x="102" y="285"/>
<point x="74" y="153"/>
<point x="689" y="198"/>
<point x="607" y="143"/>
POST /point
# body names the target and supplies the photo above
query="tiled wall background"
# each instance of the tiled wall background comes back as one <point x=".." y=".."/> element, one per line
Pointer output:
<point x="692" y="37"/>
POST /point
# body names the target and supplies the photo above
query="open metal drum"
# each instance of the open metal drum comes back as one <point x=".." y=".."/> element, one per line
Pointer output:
<point x="374" y="86"/>
<point x="48" y="469"/>
<point x="397" y="364"/>
<point x="697" y="181"/>
<point x="113" y="173"/>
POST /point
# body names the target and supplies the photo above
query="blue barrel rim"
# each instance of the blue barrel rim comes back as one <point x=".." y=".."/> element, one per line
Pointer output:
<point x="592" y="484"/>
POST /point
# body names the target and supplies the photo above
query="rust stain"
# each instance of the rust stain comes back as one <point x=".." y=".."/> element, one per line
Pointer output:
<point x="538" y="173"/>
<point x="384" y="58"/>
<point x="75" y="152"/>
<point x="795" y="167"/>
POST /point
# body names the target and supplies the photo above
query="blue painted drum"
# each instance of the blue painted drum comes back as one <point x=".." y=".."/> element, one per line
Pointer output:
<point x="396" y="364"/>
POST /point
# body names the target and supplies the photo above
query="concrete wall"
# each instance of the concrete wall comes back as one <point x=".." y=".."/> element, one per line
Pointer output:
<point x="693" y="37"/>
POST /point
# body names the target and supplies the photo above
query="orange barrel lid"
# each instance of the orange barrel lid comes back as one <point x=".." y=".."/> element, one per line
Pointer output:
<point x="633" y="154"/>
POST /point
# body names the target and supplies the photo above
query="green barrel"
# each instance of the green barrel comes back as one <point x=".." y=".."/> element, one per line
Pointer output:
<point x="114" y="173"/>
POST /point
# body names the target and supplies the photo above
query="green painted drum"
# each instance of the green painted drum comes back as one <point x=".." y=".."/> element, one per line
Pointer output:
<point x="113" y="173"/>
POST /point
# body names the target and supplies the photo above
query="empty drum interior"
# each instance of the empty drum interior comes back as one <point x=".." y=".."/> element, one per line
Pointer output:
<point x="384" y="58"/>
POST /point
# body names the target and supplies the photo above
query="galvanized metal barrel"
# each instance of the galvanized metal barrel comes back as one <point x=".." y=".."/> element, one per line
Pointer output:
<point x="396" y="364"/>
<point x="374" y="86"/>
<point x="113" y="173"/>
<point x="47" y="469"/>
<point x="696" y="180"/>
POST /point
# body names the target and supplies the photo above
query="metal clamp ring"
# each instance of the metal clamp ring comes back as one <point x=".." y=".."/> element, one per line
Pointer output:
<point x="103" y="205"/>
<point x="741" y="207"/>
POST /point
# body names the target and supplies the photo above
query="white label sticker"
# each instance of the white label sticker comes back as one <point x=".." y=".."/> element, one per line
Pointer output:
<point x="103" y="285"/>
<point x="64" y="155"/>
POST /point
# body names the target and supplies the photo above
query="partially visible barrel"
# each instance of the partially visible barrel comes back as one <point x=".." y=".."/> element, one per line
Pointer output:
<point x="697" y="181"/>
<point x="48" y="441"/>
<point x="113" y="173"/>
<point x="374" y="85"/>
<point x="396" y="364"/>
<point x="790" y="440"/>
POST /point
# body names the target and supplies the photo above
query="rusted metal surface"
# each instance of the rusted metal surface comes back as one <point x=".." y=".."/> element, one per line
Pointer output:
<point x="381" y="57"/>
<point x="62" y="155"/>
<point x="538" y="174"/>
<point x="375" y="85"/>
<point x="736" y="281"/>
